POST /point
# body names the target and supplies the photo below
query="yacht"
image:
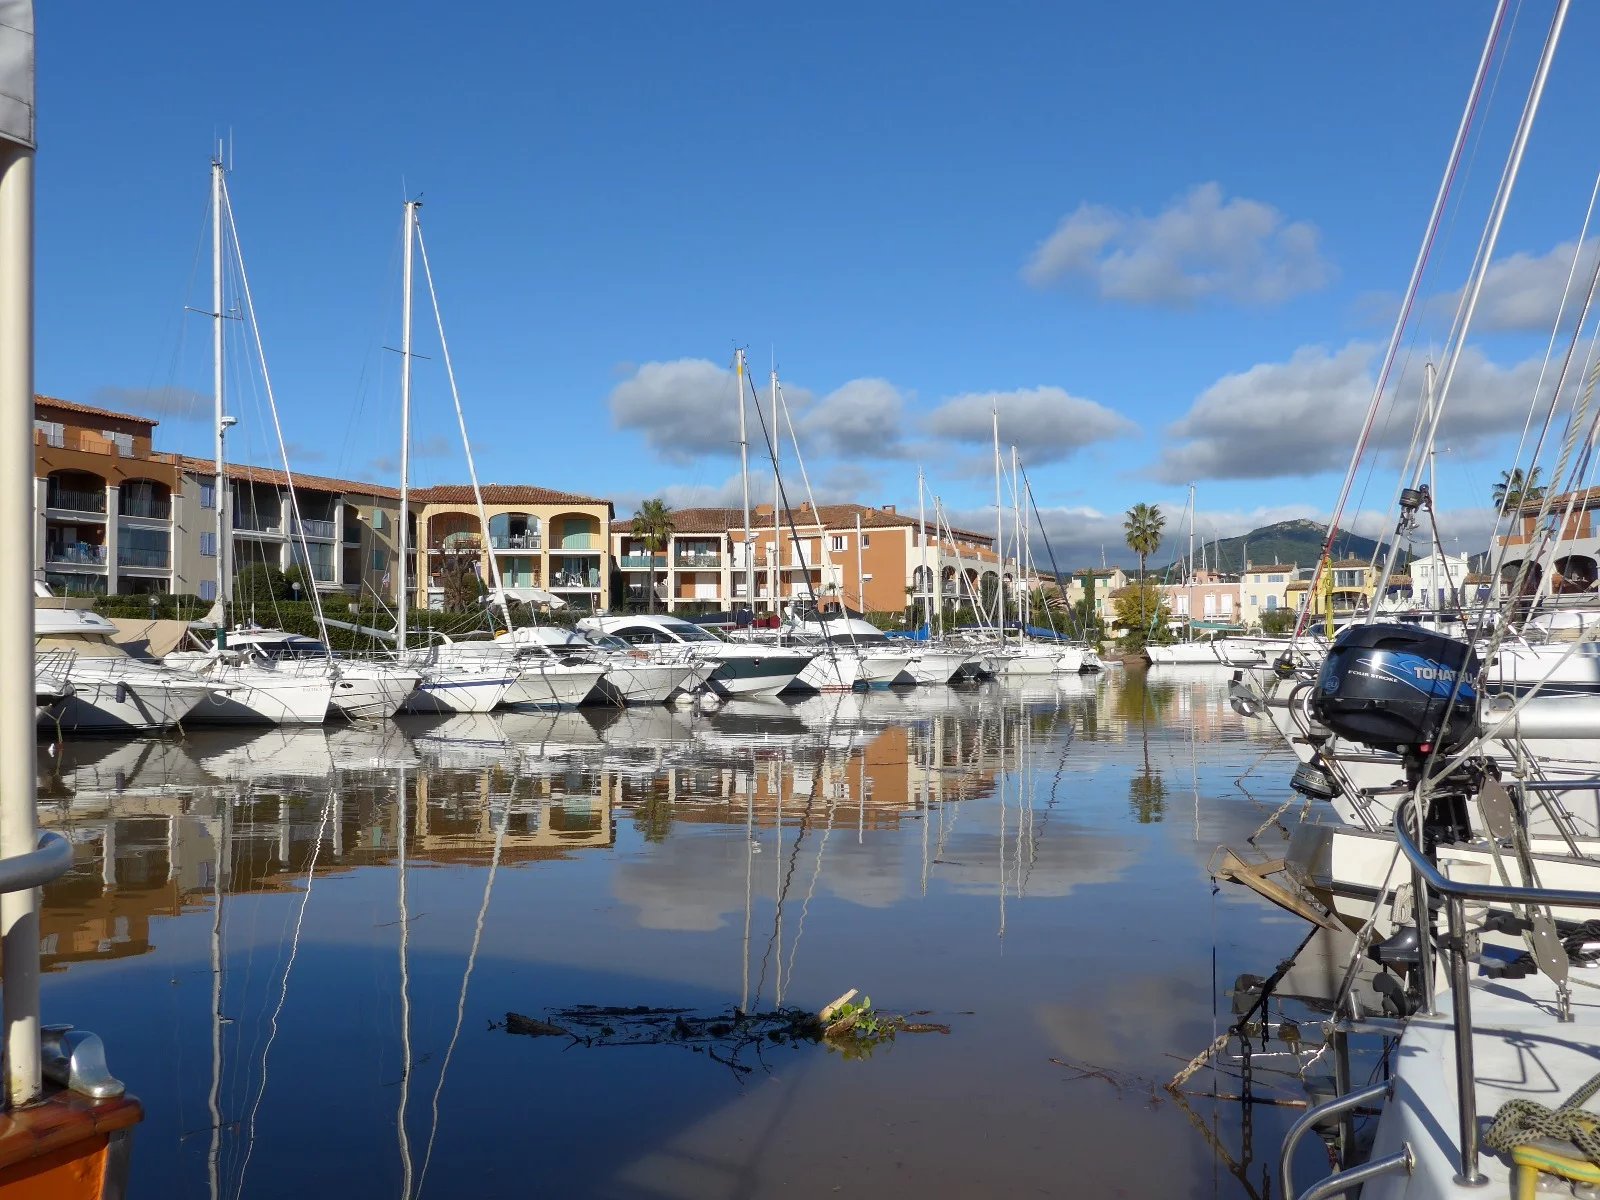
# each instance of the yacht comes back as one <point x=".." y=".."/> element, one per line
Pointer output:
<point x="633" y="674"/>
<point x="740" y="668"/>
<point x="99" y="687"/>
<point x="250" y="689"/>
<point x="362" y="690"/>
<point x="539" y="678"/>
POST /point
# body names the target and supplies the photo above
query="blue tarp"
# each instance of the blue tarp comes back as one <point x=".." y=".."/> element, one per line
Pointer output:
<point x="915" y="635"/>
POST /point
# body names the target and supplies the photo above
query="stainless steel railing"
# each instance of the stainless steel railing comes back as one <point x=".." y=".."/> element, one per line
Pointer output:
<point x="1342" y="1181"/>
<point x="50" y="860"/>
<point x="1455" y="894"/>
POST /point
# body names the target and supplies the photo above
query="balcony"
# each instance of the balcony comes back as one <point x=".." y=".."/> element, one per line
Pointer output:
<point x="699" y="561"/>
<point x="84" y="441"/>
<point x="516" y="541"/>
<point x="248" y="522"/>
<point x="315" y="529"/>
<point x="644" y="562"/>
<point x="152" y="508"/>
<point x="456" y="543"/>
<point x="74" y="500"/>
<point x="154" y="560"/>
<point x="80" y="554"/>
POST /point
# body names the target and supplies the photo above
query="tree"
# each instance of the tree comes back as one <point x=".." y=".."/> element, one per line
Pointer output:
<point x="1515" y="489"/>
<point x="652" y="525"/>
<point x="1142" y="527"/>
<point x="463" y="590"/>
<point x="260" y="583"/>
<point x="1277" y="621"/>
<point x="1086" y="621"/>
<point x="1142" y="613"/>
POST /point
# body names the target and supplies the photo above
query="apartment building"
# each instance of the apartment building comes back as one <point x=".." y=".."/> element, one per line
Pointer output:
<point x="1101" y="583"/>
<point x="868" y="558"/>
<point x="1208" y="596"/>
<point x="543" y="542"/>
<point x="114" y="515"/>
<point x="106" y="504"/>
<point x="1264" y="588"/>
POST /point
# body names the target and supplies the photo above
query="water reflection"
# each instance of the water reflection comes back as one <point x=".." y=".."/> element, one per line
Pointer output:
<point x="379" y="895"/>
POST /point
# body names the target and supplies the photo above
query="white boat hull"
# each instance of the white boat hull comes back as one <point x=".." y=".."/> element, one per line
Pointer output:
<point x="119" y="706"/>
<point x="459" y="690"/>
<point x="551" y="685"/>
<point x="263" y="697"/>
<point x="645" y="682"/>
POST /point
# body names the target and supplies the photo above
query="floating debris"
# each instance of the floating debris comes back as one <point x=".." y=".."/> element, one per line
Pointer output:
<point x="853" y="1029"/>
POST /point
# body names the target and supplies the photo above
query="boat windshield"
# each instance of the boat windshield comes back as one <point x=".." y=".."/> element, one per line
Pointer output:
<point x="608" y="641"/>
<point x="686" y="632"/>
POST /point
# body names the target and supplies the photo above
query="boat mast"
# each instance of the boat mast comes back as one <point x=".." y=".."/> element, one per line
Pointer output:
<point x="19" y="834"/>
<point x="922" y="534"/>
<point x="744" y="479"/>
<point x="405" y="421"/>
<point x="1190" y="572"/>
<point x="1019" y="586"/>
<point x="777" y="507"/>
<point x="999" y="534"/>
<point x="861" y="578"/>
<point x="219" y="414"/>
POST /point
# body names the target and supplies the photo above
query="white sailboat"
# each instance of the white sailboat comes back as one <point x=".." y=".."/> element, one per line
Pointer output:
<point x="250" y="691"/>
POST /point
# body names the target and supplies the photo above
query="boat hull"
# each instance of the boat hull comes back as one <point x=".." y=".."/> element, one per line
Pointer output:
<point x="552" y="685"/>
<point x="120" y="706"/>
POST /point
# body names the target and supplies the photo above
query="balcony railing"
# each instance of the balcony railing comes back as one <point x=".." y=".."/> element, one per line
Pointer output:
<point x="131" y="556"/>
<point x="83" y="441"/>
<point x="74" y="500"/>
<point x="249" y="522"/>
<point x="81" y="554"/>
<point x="154" y="508"/>
<point x="698" y="560"/>
<point x="516" y="541"/>
<point x="456" y="543"/>
<point x="316" y="529"/>
<point x="643" y="562"/>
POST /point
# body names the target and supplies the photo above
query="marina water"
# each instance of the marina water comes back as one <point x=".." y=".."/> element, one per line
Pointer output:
<point x="302" y="945"/>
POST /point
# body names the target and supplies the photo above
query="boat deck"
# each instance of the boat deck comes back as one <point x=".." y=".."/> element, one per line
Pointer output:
<point x="1520" y="1051"/>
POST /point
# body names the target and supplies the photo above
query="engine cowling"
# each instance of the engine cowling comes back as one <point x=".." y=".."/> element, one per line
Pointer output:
<point x="1399" y="687"/>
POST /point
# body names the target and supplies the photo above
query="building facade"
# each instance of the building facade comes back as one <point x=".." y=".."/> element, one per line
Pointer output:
<point x="1264" y="588"/>
<point x="114" y="515"/>
<point x="869" y="559"/>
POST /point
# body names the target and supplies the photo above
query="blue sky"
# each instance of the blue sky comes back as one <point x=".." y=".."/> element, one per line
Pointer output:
<point x="1167" y="236"/>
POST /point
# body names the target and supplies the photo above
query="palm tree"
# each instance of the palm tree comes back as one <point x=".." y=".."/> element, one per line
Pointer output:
<point x="1143" y="529"/>
<point x="1515" y="489"/>
<point x="652" y="525"/>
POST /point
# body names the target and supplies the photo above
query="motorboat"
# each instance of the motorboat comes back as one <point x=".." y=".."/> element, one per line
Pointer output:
<point x="741" y="668"/>
<point x="363" y="690"/>
<point x="632" y="675"/>
<point x="101" y="688"/>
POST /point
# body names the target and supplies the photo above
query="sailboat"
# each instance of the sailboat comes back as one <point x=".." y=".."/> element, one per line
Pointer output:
<point x="253" y="690"/>
<point x="448" y="684"/>
<point x="57" y="1085"/>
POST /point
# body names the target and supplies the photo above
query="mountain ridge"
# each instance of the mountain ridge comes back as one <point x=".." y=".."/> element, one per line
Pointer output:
<point x="1299" y="542"/>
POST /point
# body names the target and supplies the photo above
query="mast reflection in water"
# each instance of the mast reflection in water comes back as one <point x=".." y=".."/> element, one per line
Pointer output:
<point x="298" y="941"/>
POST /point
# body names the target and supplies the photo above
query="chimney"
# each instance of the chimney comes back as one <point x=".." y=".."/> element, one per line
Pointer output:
<point x="805" y="506"/>
<point x="888" y="508"/>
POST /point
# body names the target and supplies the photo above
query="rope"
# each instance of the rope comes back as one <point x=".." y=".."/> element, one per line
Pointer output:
<point x="1521" y="1121"/>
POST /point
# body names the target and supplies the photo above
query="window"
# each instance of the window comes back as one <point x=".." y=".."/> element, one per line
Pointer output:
<point x="122" y="441"/>
<point x="1254" y="599"/>
<point x="1272" y="604"/>
<point x="380" y="559"/>
<point x="55" y="433"/>
<point x="1274" y="578"/>
<point x="836" y="543"/>
<point x="866" y="541"/>
<point x="208" y="589"/>
<point x="208" y="546"/>
<point x="380" y="520"/>
<point x="208" y="495"/>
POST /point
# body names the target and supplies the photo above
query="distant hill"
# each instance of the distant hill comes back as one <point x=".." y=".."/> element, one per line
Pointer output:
<point x="1297" y="542"/>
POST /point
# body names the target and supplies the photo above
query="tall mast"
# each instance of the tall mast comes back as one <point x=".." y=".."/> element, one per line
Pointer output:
<point x="405" y="420"/>
<point x="861" y="578"/>
<point x="1018" y="587"/>
<point x="922" y="534"/>
<point x="219" y="414"/>
<point x="1191" y="534"/>
<point x="999" y="535"/>
<point x="744" y="479"/>
<point x="777" y="505"/>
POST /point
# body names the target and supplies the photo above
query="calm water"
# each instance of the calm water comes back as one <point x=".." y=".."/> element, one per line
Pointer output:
<point x="361" y="908"/>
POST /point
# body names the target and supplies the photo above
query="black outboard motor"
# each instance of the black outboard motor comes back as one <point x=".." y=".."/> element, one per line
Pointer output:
<point x="1399" y="688"/>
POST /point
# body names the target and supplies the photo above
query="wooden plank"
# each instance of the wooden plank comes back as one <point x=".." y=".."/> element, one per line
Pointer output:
<point x="1254" y="876"/>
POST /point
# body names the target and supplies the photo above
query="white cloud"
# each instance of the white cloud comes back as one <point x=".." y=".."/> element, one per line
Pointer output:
<point x="1200" y="245"/>
<point x="1302" y="417"/>
<point x="1047" y="423"/>
<point x="1523" y="292"/>
<point x="862" y="418"/>
<point x="684" y="408"/>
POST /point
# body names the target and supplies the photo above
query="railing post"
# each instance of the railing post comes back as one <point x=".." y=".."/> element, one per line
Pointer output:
<point x="1466" y="1075"/>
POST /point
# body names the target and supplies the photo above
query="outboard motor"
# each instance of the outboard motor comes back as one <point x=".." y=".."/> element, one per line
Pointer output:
<point x="1411" y="691"/>
<point x="1399" y="688"/>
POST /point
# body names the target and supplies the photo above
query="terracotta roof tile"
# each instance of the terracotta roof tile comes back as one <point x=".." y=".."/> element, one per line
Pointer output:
<point x="841" y="517"/>
<point x="302" y="481"/>
<point x="69" y="406"/>
<point x="498" y="493"/>
<point x="1257" y="568"/>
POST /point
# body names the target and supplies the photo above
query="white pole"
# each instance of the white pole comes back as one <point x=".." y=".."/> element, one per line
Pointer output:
<point x="1016" y="527"/>
<point x="744" y="480"/>
<point x="219" y="413"/>
<point x="19" y="911"/>
<point x="861" y="579"/>
<point x="777" y="504"/>
<point x="922" y="533"/>
<point x="999" y="534"/>
<point x="405" y="423"/>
